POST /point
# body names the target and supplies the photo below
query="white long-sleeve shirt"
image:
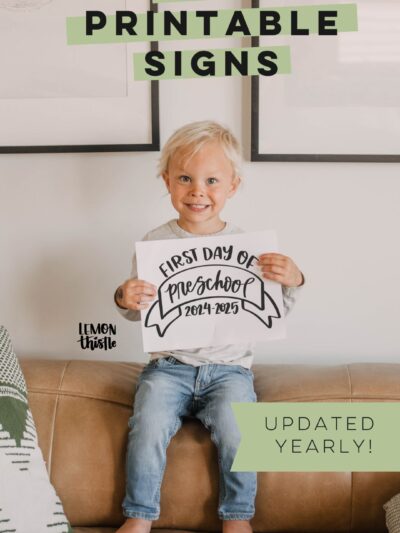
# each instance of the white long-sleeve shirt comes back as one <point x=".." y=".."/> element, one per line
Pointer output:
<point x="230" y="354"/>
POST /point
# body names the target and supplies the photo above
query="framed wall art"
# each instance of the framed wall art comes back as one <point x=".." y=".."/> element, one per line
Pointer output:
<point x="60" y="98"/>
<point x="341" y="101"/>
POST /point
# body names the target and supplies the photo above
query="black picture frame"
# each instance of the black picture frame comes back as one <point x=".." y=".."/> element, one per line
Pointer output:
<point x="152" y="146"/>
<point x="256" y="155"/>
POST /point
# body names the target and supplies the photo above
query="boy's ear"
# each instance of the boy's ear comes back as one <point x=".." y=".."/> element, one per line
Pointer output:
<point x="165" y="177"/>
<point x="234" y="186"/>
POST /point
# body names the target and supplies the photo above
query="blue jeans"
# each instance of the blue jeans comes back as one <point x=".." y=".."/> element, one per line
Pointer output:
<point x="167" y="391"/>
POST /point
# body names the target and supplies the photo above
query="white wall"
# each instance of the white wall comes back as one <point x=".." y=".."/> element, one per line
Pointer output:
<point x="68" y="223"/>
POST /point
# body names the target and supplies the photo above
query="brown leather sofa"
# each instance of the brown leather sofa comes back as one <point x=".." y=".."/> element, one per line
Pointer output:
<point x="81" y="409"/>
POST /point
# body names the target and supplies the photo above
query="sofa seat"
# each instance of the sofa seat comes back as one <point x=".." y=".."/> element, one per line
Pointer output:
<point x="81" y="410"/>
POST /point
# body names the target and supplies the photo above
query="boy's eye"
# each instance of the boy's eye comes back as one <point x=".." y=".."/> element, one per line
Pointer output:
<point x="211" y="181"/>
<point x="184" y="179"/>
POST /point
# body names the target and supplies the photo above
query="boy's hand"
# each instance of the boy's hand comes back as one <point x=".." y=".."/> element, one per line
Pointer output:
<point x="280" y="268"/>
<point x="134" y="294"/>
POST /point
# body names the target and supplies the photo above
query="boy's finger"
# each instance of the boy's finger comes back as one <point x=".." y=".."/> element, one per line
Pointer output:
<point x="144" y="289"/>
<point x="271" y="259"/>
<point x="274" y="277"/>
<point x="144" y="299"/>
<point x="149" y="292"/>
<point x="276" y="269"/>
<point x="147" y="284"/>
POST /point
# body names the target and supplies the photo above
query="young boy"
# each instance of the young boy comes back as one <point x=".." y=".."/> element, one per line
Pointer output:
<point x="200" y="168"/>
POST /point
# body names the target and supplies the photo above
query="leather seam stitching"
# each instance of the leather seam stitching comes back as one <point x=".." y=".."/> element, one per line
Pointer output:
<point x="52" y="392"/>
<point x="324" y="398"/>
<point x="53" y="422"/>
<point x="36" y="390"/>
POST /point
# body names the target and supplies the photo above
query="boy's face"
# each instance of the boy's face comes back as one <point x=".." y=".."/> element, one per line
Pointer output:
<point x="200" y="186"/>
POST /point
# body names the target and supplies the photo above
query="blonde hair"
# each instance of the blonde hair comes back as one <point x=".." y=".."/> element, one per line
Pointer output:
<point x="192" y="137"/>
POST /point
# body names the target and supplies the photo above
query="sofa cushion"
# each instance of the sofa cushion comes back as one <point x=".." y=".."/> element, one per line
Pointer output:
<point x="29" y="503"/>
<point x="392" y="509"/>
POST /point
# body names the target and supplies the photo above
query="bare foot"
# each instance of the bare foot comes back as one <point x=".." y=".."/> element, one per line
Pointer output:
<point x="135" y="525"/>
<point x="236" y="526"/>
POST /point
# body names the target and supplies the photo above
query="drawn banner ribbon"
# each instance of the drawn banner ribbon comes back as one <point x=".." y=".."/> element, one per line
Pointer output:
<point x="206" y="282"/>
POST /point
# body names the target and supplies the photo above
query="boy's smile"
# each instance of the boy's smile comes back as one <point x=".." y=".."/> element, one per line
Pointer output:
<point x="199" y="187"/>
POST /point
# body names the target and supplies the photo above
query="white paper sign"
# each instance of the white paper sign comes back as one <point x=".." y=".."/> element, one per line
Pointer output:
<point x="210" y="292"/>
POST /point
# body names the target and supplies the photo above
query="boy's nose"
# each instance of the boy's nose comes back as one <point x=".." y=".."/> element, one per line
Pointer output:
<point x="196" y="190"/>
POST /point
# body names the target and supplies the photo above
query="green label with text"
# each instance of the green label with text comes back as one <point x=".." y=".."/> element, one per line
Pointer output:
<point x="318" y="437"/>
